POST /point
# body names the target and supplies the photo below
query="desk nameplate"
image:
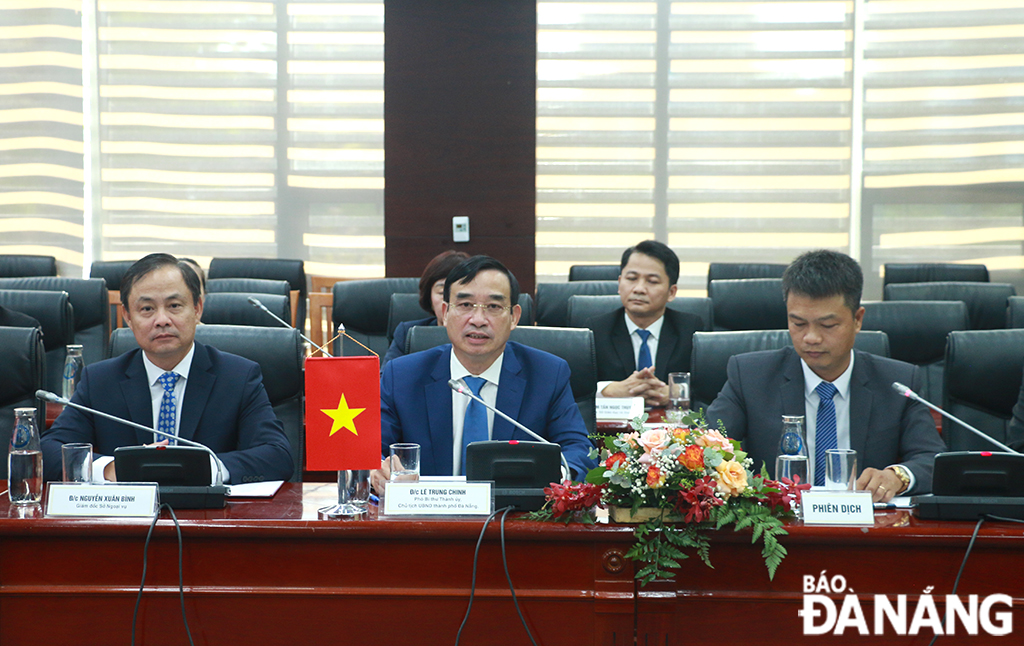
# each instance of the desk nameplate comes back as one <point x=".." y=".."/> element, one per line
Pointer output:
<point x="438" y="499"/>
<point x="826" y="507"/>
<point x="118" y="500"/>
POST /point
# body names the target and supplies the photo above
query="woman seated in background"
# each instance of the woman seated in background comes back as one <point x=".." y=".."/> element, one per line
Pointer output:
<point x="431" y="297"/>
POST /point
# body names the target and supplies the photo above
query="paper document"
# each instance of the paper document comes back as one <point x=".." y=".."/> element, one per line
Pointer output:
<point x="255" y="489"/>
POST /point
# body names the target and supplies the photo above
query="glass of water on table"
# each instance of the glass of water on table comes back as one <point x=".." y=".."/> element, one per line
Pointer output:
<point x="678" y="397"/>
<point x="404" y="460"/>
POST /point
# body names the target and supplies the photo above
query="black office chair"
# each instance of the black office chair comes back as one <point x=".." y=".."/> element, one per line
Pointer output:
<point x="933" y="272"/>
<point x="983" y="379"/>
<point x="291" y="271"/>
<point x="712" y="350"/>
<point x="583" y="308"/>
<point x="743" y="270"/>
<point x="553" y="298"/>
<point x="917" y="332"/>
<point x="111" y="271"/>
<point x="22" y="373"/>
<point x="593" y="272"/>
<point x="363" y="306"/>
<point x="749" y="304"/>
<point x="250" y="286"/>
<point x="986" y="302"/>
<point x="1015" y="312"/>
<point x="20" y="266"/>
<point x="56" y="317"/>
<point x="574" y="345"/>
<point x="91" y="305"/>
<point x="230" y="308"/>
<point x="281" y="354"/>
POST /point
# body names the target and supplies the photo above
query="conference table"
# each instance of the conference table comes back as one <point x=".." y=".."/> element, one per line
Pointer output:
<point x="273" y="572"/>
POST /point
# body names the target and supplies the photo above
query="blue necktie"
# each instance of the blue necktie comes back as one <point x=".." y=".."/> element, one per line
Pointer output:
<point x="825" y="437"/>
<point x="474" y="425"/>
<point x="168" y="409"/>
<point x="643" y="360"/>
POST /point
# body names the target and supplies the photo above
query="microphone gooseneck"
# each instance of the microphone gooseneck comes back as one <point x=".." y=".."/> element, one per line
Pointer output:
<point x="255" y="302"/>
<point x="458" y="386"/>
<point x="46" y="395"/>
<point x="906" y="392"/>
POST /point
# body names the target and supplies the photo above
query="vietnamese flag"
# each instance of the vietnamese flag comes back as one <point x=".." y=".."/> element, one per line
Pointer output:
<point x="342" y="413"/>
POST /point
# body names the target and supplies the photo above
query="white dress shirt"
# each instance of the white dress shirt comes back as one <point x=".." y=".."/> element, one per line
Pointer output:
<point x="488" y="393"/>
<point x="652" y="344"/>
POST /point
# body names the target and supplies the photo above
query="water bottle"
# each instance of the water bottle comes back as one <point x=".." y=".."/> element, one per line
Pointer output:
<point x="792" y="460"/>
<point x="25" y="460"/>
<point x="73" y="365"/>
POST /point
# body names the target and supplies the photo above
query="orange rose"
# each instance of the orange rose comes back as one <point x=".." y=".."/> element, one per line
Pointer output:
<point x="731" y="478"/>
<point x="692" y="458"/>
<point x="655" y="478"/>
<point x="653" y="440"/>
<point x="680" y="433"/>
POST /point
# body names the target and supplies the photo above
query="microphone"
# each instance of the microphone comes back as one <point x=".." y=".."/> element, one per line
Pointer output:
<point x="46" y="395"/>
<point x="906" y="392"/>
<point x="458" y="386"/>
<point x="255" y="302"/>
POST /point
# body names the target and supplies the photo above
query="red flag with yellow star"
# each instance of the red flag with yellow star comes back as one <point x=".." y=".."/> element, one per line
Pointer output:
<point x="342" y="413"/>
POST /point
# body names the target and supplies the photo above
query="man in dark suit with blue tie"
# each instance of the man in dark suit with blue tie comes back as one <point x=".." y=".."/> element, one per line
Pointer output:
<point x="640" y="343"/>
<point x="191" y="390"/>
<point x="417" y="405"/>
<point x="845" y="395"/>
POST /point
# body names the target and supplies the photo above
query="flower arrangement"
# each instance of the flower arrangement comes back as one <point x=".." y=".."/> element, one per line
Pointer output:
<point x="691" y="478"/>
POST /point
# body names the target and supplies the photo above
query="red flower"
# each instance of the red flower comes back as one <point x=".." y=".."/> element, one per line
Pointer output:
<point x="787" y="492"/>
<point x="614" y="459"/>
<point x="696" y="502"/>
<point x="569" y="497"/>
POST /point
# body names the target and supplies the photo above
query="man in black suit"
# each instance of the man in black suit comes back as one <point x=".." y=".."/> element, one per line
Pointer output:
<point x="642" y="341"/>
<point x="845" y="395"/>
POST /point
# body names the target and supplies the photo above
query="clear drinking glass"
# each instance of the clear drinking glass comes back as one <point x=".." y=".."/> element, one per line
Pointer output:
<point x="840" y="469"/>
<point x="76" y="460"/>
<point x="405" y="462"/>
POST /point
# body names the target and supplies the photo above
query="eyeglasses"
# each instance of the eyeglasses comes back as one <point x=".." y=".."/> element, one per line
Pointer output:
<point x="492" y="310"/>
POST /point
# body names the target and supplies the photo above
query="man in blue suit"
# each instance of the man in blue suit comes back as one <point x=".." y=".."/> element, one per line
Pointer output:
<point x="531" y="386"/>
<point x="192" y="390"/>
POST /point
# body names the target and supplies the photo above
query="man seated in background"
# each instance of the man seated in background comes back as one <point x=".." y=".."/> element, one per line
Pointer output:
<point x="192" y="390"/>
<point x="845" y="395"/>
<point x="480" y="310"/>
<point x="640" y="343"/>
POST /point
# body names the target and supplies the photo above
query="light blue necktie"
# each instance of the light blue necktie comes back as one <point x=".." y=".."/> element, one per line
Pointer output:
<point x="644" y="360"/>
<point x="168" y="409"/>
<point x="825" y="437"/>
<point x="474" y="425"/>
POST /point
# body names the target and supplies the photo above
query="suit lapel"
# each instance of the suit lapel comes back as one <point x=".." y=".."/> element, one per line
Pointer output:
<point x="197" y="391"/>
<point x="136" y="393"/>
<point x="439" y="416"/>
<point x="666" y="344"/>
<point x="622" y="343"/>
<point x="793" y="401"/>
<point x="860" y="405"/>
<point x="510" y="395"/>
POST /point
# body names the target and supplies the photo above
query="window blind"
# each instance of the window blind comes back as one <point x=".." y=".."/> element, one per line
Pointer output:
<point x="41" y="138"/>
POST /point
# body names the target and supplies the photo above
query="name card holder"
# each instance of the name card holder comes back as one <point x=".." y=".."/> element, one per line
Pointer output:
<point x="829" y="507"/>
<point x="618" y="408"/>
<point x="116" y="499"/>
<point x="438" y="499"/>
